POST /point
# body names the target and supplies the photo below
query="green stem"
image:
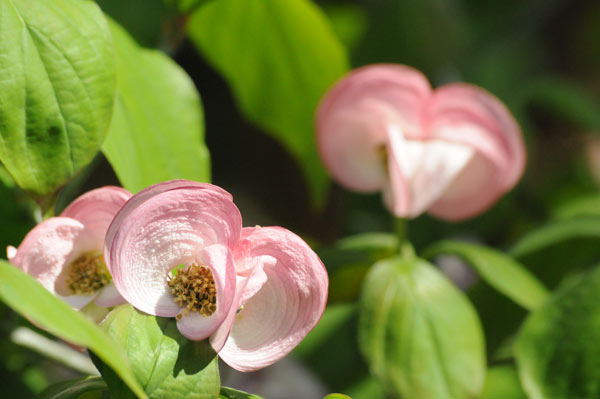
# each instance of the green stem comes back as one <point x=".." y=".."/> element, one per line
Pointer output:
<point x="405" y="248"/>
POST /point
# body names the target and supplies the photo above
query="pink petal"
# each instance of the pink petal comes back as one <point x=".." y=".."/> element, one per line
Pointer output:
<point x="350" y="131"/>
<point x="161" y="229"/>
<point x="219" y="259"/>
<point x="466" y="114"/>
<point x="97" y="208"/>
<point x="109" y="297"/>
<point x="247" y="286"/>
<point x="51" y="246"/>
<point x="420" y="171"/>
<point x="285" y="308"/>
<point x="157" y="189"/>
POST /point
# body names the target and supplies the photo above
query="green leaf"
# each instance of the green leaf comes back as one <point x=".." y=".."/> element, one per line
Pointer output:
<point x="556" y="232"/>
<point x="337" y="396"/>
<point x="279" y="57"/>
<point x="157" y="132"/>
<point x="147" y="30"/>
<point x="165" y="363"/>
<point x="502" y="382"/>
<point x="557" y="350"/>
<point x="29" y="298"/>
<point x="57" y="86"/>
<point x="73" y="389"/>
<point x="230" y="393"/>
<point x="497" y="269"/>
<point x="419" y="333"/>
<point x="580" y="206"/>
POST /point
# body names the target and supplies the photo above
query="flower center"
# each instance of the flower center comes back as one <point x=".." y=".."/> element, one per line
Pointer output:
<point x="194" y="289"/>
<point x="87" y="274"/>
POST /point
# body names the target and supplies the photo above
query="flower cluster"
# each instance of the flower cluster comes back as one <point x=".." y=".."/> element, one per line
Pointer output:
<point x="452" y="151"/>
<point x="178" y="249"/>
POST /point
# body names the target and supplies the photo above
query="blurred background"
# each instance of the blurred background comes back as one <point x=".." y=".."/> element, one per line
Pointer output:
<point x="541" y="58"/>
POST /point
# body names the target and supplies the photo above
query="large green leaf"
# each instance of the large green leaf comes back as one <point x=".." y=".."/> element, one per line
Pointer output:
<point x="497" y="269"/>
<point x="167" y="365"/>
<point x="557" y="350"/>
<point x="28" y="297"/>
<point x="230" y="393"/>
<point x="556" y="232"/>
<point x="502" y="382"/>
<point x="157" y="132"/>
<point x="73" y="389"/>
<point x="279" y="56"/>
<point x="57" y="86"/>
<point x="419" y="333"/>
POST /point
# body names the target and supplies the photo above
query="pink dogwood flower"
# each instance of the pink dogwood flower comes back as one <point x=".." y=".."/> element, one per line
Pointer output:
<point x="178" y="249"/>
<point x="452" y="151"/>
<point x="64" y="253"/>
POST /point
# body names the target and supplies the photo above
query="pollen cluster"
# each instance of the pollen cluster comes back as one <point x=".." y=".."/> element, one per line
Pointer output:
<point x="87" y="274"/>
<point x="193" y="289"/>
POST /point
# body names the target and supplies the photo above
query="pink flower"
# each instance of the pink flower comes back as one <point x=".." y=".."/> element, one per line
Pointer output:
<point x="64" y="253"/>
<point x="177" y="249"/>
<point x="452" y="151"/>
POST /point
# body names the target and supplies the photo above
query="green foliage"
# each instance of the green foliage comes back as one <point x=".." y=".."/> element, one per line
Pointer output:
<point x="557" y="350"/>
<point x="279" y="57"/>
<point x="337" y="396"/>
<point x="419" y="333"/>
<point x="73" y="389"/>
<point x="556" y="232"/>
<point x="14" y="213"/>
<point x="146" y="30"/>
<point x="230" y="393"/>
<point x="335" y="339"/>
<point x="57" y="86"/>
<point x="157" y="130"/>
<point x="29" y="298"/>
<point x="497" y="269"/>
<point x="502" y="382"/>
<point x="349" y="260"/>
<point x="165" y="363"/>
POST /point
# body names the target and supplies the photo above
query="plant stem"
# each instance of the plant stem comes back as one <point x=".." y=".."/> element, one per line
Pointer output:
<point x="405" y="248"/>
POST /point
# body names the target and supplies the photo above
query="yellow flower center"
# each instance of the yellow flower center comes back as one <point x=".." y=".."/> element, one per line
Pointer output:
<point x="87" y="274"/>
<point x="193" y="288"/>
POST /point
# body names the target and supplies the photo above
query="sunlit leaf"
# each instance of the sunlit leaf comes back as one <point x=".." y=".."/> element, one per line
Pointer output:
<point x="167" y="365"/>
<point x="157" y="132"/>
<point x="502" y="382"/>
<point x="419" y="333"/>
<point x="57" y="86"/>
<point x="279" y="57"/>
<point x="230" y="393"/>
<point x="499" y="270"/>
<point x="557" y="350"/>
<point x="29" y="298"/>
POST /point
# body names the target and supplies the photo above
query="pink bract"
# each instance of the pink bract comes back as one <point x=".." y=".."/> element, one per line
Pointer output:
<point x="53" y="244"/>
<point x="452" y="151"/>
<point x="271" y="287"/>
